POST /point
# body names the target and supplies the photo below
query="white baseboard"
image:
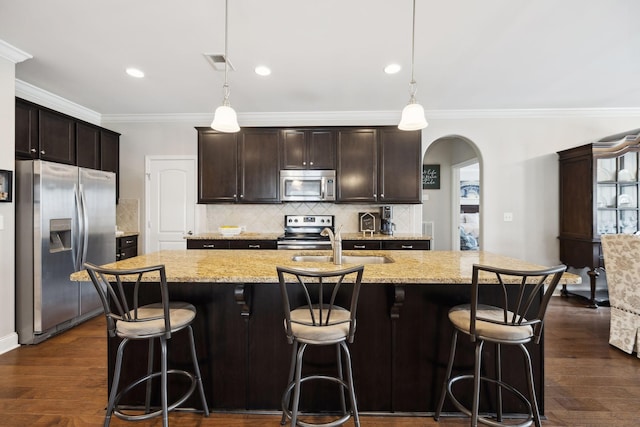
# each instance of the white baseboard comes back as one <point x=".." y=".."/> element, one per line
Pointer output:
<point x="9" y="342"/>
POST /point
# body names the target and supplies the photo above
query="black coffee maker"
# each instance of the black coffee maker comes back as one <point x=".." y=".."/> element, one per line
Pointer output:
<point x="386" y="226"/>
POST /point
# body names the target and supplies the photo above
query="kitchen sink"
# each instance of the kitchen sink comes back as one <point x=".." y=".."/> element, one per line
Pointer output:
<point x="346" y="259"/>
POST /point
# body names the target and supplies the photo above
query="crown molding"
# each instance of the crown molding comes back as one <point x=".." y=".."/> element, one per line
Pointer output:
<point x="312" y="118"/>
<point x="359" y="118"/>
<point x="47" y="99"/>
<point x="12" y="53"/>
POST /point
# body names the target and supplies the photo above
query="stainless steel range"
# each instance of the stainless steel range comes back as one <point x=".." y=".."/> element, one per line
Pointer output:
<point x="303" y="232"/>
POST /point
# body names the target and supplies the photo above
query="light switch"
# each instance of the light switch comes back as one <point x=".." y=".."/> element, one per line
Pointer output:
<point x="508" y="216"/>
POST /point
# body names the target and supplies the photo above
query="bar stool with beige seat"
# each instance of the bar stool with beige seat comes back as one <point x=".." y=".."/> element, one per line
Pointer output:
<point x="314" y="318"/>
<point x="517" y="319"/>
<point x="118" y="290"/>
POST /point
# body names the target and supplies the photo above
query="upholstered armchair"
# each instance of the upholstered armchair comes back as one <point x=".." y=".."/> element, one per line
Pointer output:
<point x="622" y="264"/>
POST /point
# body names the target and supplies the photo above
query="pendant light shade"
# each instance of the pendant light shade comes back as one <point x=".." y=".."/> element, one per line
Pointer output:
<point x="413" y="117"/>
<point x="225" y="118"/>
<point x="413" y="114"/>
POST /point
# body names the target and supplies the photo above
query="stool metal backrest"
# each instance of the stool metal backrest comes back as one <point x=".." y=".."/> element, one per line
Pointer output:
<point x="110" y="284"/>
<point x="524" y="288"/>
<point x="320" y="290"/>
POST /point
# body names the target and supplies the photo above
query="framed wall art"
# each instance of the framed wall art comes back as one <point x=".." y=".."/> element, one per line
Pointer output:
<point x="6" y="185"/>
<point x="430" y="177"/>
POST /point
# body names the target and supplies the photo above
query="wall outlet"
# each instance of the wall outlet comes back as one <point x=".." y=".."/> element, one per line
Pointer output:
<point x="508" y="216"/>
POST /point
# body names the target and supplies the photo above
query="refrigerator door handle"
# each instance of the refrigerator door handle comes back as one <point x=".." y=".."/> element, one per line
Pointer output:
<point x="76" y="247"/>
<point x="85" y="227"/>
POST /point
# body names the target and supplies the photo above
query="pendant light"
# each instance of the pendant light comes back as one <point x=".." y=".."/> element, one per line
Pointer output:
<point x="225" y="118"/>
<point x="413" y="114"/>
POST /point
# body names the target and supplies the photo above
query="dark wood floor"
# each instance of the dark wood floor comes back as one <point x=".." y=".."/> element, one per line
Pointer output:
<point x="62" y="382"/>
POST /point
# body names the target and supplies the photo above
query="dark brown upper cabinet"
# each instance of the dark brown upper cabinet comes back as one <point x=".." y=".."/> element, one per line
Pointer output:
<point x="239" y="167"/>
<point x="400" y="171"/>
<point x="357" y="165"/>
<point x="259" y="167"/>
<point x="57" y="137"/>
<point x="308" y="148"/>
<point x="217" y="166"/>
<point x="87" y="146"/>
<point x="26" y="133"/>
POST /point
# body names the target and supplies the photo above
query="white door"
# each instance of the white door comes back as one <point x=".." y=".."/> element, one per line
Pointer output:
<point x="170" y="201"/>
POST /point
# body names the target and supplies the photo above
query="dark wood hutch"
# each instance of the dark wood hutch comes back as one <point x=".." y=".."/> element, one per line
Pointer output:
<point x="599" y="194"/>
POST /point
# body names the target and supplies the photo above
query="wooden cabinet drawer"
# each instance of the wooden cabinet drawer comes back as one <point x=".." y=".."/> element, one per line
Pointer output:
<point x="416" y="245"/>
<point x="253" y="244"/>
<point x="207" y="244"/>
<point x="361" y="244"/>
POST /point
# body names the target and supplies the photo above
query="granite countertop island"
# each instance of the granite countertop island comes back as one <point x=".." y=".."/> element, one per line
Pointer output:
<point x="250" y="266"/>
<point x="401" y="345"/>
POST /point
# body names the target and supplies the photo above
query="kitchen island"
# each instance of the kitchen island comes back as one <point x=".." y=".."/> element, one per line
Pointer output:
<point x="401" y="345"/>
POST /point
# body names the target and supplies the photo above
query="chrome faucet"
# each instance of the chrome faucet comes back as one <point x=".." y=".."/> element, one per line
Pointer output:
<point x="336" y="243"/>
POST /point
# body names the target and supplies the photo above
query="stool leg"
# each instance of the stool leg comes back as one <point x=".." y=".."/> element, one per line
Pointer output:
<point x="341" y="376"/>
<point x="286" y="399"/>
<point x="499" y="379"/>
<point x="115" y="382"/>
<point x="532" y="391"/>
<point x="196" y="369"/>
<point x="447" y="375"/>
<point x="296" y="388"/>
<point x="147" y="400"/>
<point x="163" y="381"/>
<point x="352" y="392"/>
<point x="476" y="384"/>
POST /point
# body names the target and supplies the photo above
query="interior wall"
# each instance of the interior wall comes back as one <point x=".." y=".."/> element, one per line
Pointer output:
<point x="8" y="336"/>
<point x="519" y="170"/>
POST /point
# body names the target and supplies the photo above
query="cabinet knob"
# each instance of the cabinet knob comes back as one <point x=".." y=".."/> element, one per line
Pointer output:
<point x="311" y="163"/>
<point x="359" y="246"/>
<point x="382" y="196"/>
<point x="407" y="246"/>
<point x="254" y="246"/>
<point x="304" y="163"/>
<point x="33" y="150"/>
<point x="42" y="152"/>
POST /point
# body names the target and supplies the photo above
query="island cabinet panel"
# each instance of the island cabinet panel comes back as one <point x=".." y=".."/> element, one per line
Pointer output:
<point x="217" y="166"/>
<point x="400" y="171"/>
<point x="357" y="167"/>
<point x="308" y="148"/>
<point x="259" y="165"/>
<point x="399" y="354"/>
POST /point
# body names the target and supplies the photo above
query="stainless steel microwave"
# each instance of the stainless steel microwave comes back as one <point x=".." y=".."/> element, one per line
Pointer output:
<point x="307" y="185"/>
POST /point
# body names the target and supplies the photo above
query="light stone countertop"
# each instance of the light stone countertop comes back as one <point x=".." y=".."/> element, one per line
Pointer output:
<point x="259" y="266"/>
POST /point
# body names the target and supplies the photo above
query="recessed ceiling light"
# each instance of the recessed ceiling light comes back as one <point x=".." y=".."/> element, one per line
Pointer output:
<point x="134" y="72"/>
<point x="392" y="68"/>
<point x="262" y="70"/>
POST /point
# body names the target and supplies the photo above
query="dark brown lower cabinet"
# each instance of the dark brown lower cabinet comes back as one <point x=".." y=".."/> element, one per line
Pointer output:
<point x="399" y="354"/>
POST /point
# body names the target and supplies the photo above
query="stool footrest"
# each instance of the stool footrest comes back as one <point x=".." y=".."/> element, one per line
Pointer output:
<point x="484" y="420"/>
<point x="139" y="417"/>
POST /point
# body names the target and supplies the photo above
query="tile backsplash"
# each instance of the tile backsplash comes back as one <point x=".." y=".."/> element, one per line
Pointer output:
<point x="128" y="215"/>
<point x="270" y="218"/>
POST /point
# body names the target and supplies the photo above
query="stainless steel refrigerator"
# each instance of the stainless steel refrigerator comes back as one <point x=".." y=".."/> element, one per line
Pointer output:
<point x="65" y="216"/>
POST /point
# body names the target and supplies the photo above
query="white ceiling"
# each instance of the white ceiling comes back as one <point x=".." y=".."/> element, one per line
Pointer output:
<point x="328" y="55"/>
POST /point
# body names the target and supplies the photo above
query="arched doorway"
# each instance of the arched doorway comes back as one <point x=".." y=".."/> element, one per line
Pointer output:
<point x="445" y="209"/>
